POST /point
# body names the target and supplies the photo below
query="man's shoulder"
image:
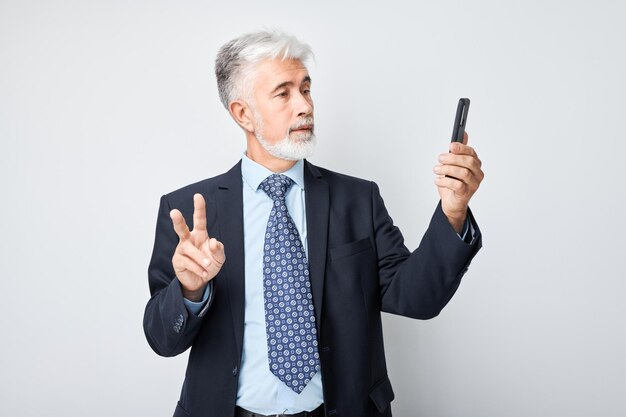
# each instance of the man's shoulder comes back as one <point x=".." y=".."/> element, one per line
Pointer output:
<point x="339" y="179"/>
<point x="207" y="186"/>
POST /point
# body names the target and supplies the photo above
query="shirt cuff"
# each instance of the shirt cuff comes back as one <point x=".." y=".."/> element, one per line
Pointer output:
<point x="195" y="307"/>
<point x="468" y="233"/>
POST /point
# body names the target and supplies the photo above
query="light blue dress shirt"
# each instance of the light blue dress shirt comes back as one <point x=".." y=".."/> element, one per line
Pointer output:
<point x="260" y="391"/>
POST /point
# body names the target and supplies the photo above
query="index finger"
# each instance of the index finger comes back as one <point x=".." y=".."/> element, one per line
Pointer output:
<point x="462" y="148"/>
<point x="199" y="213"/>
<point x="180" y="227"/>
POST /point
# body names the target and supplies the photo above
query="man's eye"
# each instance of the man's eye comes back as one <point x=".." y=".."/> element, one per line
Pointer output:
<point x="283" y="94"/>
<point x="306" y="92"/>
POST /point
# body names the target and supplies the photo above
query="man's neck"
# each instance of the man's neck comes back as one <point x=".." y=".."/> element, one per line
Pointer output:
<point x="270" y="162"/>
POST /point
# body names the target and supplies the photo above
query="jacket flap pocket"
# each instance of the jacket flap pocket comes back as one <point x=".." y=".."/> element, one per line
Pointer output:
<point x="382" y="394"/>
<point x="180" y="411"/>
<point x="350" y="248"/>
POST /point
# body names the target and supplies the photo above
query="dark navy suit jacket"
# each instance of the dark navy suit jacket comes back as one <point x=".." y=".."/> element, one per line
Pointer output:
<point x="359" y="266"/>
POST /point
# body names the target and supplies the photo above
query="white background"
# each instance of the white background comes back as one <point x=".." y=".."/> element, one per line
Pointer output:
<point x="105" y="106"/>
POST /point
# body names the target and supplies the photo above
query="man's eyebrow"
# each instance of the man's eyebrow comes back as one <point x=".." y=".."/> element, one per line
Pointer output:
<point x="306" y="79"/>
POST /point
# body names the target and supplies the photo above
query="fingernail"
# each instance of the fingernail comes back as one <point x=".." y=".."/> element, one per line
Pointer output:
<point x="205" y="274"/>
<point x="206" y="262"/>
<point x="437" y="169"/>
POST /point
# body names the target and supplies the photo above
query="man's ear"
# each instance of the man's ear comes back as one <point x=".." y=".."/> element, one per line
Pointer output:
<point x="242" y="113"/>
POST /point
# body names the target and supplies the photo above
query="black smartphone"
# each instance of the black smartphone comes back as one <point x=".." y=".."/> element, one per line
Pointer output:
<point x="460" y="120"/>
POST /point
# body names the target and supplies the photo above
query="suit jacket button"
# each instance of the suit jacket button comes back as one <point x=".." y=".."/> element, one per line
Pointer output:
<point x="235" y="371"/>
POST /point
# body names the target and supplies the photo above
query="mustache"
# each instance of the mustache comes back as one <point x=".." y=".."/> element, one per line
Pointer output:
<point x="304" y="122"/>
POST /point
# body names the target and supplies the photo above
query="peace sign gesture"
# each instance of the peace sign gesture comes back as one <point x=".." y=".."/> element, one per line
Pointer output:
<point x="197" y="258"/>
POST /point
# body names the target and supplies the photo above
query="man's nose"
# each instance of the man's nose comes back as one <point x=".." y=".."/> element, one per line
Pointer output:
<point x="304" y="105"/>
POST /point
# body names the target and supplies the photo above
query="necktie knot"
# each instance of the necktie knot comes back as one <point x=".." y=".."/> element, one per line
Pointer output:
<point x="276" y="186"/>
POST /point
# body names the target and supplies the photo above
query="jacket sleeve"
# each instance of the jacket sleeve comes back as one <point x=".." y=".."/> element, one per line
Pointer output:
<point x="169" y="326"/>
<point x="420" y="284"/>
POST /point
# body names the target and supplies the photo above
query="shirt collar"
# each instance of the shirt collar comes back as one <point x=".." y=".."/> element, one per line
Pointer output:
<point x="254" y="173"/>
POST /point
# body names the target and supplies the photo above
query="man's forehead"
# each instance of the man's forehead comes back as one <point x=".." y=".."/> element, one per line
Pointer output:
<point x="275" y="72"/>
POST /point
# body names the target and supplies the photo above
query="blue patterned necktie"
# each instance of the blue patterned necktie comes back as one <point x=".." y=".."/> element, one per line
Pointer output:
<point x="289" y="313"/>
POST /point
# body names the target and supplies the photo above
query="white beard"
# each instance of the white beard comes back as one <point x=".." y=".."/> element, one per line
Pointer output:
<point x="291" y="148"/>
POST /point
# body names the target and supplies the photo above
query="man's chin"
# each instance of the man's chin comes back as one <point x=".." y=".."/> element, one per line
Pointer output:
<point x="294" y="147"/>
<point x="297" y="149"/>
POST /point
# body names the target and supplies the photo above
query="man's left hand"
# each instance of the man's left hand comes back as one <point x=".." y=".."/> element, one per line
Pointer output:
<point x="459" y="175"/>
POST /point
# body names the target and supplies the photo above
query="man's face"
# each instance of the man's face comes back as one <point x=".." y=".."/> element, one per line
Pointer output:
<point x="283" y="109"/>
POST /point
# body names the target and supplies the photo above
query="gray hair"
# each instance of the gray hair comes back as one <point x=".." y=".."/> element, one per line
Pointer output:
<point x="237" y="59"/>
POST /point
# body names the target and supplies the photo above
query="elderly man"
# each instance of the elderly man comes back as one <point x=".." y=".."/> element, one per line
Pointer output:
<point x="279" y="286"/>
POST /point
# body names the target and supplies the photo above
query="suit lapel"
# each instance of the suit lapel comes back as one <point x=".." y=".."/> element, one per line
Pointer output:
<point x="230" y="218"/>
<point x="317" y="209"/>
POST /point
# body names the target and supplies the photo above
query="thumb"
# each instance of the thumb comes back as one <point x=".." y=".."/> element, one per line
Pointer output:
<point x="217" y="250"/>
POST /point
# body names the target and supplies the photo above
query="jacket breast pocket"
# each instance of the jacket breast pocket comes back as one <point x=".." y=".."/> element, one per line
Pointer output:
<point x="351" y="248"/>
